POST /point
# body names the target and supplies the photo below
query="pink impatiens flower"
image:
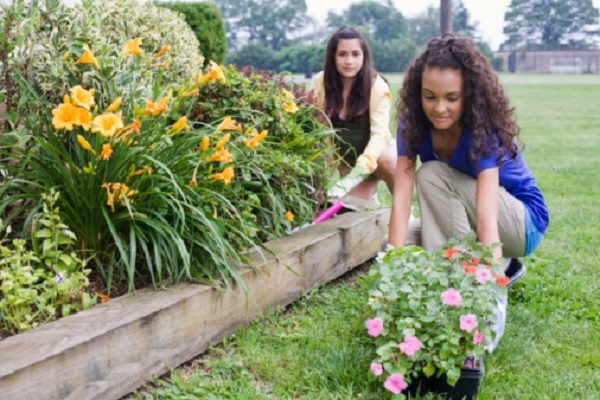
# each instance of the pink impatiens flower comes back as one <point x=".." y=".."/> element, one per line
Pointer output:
<point x="410" y="345"/>
<point x="374" y="326"/>
<point x="483" y="275"/>
<point x="376" y="369"/>
<point x="395" y="383"/>
<point x="478" y="337"/>
<point x="468" y="322"/>
<point x="451" y="297"/>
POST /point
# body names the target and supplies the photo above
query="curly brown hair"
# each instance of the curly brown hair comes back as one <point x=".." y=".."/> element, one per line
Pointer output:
<point x="487" y="113"/>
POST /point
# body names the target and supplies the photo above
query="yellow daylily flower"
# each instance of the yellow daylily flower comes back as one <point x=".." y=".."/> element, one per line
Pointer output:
<point x="180" y="125"/>
<point x="84" y="118"/>
<point x="87" y="57"/>
<point x="135" y="172"/>
<point x="84" y="144"/>
<point x="132" y="47"/>
<point x="223" y="141"/>
<point x="81" y="97"/>
<point x="290" y="107"/>
<point x="114" y="105"/>
<point x="107" y="124"/>
<point x="287" y="94"/>
<point x="65" y="116"/>
<point x="221" y="156"/>
<point x="106" y="151"/>
<point x="205" y="143"/>
<point x="226" y="176"/>
<point x="162" y="51"/>
<point x="289" y="216"/>
<point x="229" y="124"/>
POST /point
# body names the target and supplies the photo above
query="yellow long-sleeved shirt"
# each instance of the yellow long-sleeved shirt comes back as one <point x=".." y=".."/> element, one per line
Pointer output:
<point x="379" y="112"/>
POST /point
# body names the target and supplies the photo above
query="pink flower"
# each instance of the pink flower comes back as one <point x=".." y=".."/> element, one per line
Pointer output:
<point x="376" y="369"/>
<point x="374" y="326"/>
<point x="468" y="322"/>
<point x="395" y="383"/>
<point x="478" y="337"/>
<point x="410" y="345"/>
<point x="451" y="297"/>
<point x="483" y="275"/>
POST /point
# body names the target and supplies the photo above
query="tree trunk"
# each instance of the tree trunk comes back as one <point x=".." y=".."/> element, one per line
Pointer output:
<point x="445" y="16"/>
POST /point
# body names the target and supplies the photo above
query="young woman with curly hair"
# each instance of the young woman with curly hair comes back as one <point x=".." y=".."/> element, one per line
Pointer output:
<point x="454" y="115"/>
<point x="358" y="102"/>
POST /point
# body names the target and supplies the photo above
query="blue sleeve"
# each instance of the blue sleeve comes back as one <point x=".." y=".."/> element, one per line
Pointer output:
<point x="400" y="143"/>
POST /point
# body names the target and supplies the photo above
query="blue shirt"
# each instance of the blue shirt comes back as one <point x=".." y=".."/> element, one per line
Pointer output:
<point x="514" y="174"/>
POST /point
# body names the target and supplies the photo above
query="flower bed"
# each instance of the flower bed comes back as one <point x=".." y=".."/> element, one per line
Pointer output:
<point x="109" y="350"/>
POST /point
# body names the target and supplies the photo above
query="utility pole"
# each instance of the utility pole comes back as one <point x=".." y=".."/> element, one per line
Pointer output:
<point x="445" y="16"/>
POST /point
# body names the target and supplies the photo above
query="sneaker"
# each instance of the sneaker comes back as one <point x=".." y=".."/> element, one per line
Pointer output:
<point x="514" y="271"/>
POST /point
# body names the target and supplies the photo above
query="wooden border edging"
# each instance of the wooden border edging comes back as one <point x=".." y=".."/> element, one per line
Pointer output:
<point x="113" y="348"/>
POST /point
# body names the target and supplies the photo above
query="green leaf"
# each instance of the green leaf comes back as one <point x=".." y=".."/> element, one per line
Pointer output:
<point x="429" y="370"/>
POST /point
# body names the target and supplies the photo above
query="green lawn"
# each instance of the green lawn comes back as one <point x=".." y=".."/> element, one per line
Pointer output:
<point x="318" y="348"/>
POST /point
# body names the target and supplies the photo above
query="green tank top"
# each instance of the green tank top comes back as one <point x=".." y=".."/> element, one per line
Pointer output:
<point x="352" y="137"/>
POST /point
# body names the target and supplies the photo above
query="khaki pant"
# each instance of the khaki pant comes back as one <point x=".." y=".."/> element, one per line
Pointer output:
<point x="447" y="204"/>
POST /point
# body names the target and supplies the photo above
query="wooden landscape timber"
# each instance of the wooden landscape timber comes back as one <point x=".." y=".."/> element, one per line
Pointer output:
<point x="113" y="348"/>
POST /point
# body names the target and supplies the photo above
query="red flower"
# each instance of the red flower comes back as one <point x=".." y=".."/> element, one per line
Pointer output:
<point x="475" y="261"/>
<point x="469" y="269"/>
<point x="502" y="281"/>
<point x="450" y="252"/>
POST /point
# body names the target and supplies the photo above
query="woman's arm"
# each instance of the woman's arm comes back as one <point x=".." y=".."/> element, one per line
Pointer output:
<point x="379" y="112"/>
<point x="486" y="203"/>
<point x="404" y="182"/>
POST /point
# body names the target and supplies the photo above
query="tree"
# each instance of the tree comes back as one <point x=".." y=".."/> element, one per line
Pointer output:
<point x="268" y="22"/>
<point x="550" y="24"/>
<point x="381" y="21"/>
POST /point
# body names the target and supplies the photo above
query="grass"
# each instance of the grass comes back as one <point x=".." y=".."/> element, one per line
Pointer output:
<point x="318" y="349"/>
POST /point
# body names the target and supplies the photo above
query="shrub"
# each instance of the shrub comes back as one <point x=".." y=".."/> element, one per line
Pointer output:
<point x="46" y="38"/>
<point x="38" y="285"/>
<point x="207" y="23"/>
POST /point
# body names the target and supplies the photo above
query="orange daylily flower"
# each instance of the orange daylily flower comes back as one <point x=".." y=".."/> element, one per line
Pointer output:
<point x="107" y="124"/>
<point x="223" y="141"/>
<point x="81" y="97"/>
<point x="229" y="124"/>
<point x="162" y="51"/>
<point x="289" y="216"/>
<point x="132" y="47"/>
<point x="106" y="151"/>
<point x="133" y="127"/>
<point x="215" y="73"/>
<point x="156" y="108"/>
<point x="180" y="125"/>
<point x="226" y="176"/>
<point x="255" y="140"/>
<point x="104" y="298"/>
<point x="87" y="57"/>
<point x="205" y="143"/>
<point x="222" y="156"/>
<point x="194" y="92"/>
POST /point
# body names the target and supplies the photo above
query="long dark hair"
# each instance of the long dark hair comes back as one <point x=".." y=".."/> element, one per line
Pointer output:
<point x="487" y="111"/>
<point x="360" y="94"/>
